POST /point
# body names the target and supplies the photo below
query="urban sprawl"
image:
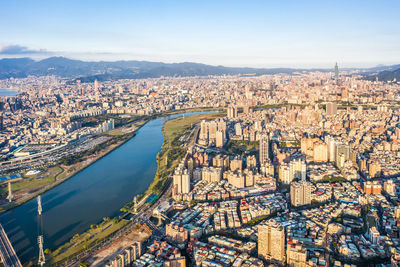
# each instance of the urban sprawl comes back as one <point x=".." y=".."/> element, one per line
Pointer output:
<point x="302" y="171"/>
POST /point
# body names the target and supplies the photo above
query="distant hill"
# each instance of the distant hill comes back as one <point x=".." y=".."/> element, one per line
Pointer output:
<point x="88" y="71"/>
<point x="393" y="73"/>
<point x="105" y="70"/>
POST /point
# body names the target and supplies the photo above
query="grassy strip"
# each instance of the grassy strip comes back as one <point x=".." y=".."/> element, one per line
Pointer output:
<point x="239" y="147"/>
<point x="35" y="181"/>
<point x="79" y="166"/>
<point x="172" y="130"/>
<point x="172" y="150"/>
<point x="80" y="243"/>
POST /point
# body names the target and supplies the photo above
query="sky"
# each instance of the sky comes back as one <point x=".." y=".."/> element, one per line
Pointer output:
<point x="265" y="33"/>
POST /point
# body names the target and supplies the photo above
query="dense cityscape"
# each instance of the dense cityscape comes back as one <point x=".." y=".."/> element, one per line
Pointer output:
<point x="298" y="169"/>
<point x="199" y="133"/>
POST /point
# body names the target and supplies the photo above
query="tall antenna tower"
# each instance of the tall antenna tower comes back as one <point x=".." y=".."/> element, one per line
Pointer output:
<point x="42" y="258"/>
<point x="10" y="194"/>
<point x="39" y="201"/>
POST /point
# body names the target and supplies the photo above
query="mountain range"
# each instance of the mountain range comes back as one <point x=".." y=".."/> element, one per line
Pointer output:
<point x="88" y="71"/>
<point x="106" y="70"/>
<point x="391" y="73"/>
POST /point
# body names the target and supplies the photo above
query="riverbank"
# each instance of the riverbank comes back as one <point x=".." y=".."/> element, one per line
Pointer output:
<point x="70" y="171"/>
<point x="76" y="168"/>
<point x="174" y="148"/>
<point x="172" y="130"/>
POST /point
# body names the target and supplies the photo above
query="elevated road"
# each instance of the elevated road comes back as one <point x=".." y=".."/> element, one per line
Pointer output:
<point x="7" y="252"/>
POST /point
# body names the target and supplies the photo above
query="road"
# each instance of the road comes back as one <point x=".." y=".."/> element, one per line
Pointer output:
<point x="7" y="252"/>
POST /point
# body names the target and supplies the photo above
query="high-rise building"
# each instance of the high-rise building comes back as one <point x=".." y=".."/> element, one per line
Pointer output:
<point x="271" y="241"/>
<point x="238" y="129"/>
<point x="284" y="173"/>
<point x="251" y="161"/>
<point x="320" y="152"/>
<point x="203" y="130"/>
<point x="211" y="174"/>
<point x="177" y="262"/>
<point x="212" y="130"/>
<point x="267" y="168"/>
<point x="300" y="193"/>
<point x="372" y="188"/>
<point x="220" y="139"/>
<point x="181" y="180"/>
<point x="236" y="164"/>
<point x="236" y="178"/>
<point x="176" y="233"/>
<point x="336" y="72"/>
<point x="96" y="86"/>
<point x="390" y="187"/>
<point x="330" y="141"/>
<point x="296" y="254"/>
<point x="342" y="154"/>
<point x="298" y="169"/>
<point x="374" y="168"/>
<point x="221" y="161"/>
<point x="263" y="148"/>
<point x="232" y="112"/>
<point x="331" y="108"/>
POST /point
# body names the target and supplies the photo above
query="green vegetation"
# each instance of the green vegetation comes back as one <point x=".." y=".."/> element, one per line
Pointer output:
<point x="85" y="241"/>
<point x="332" y="179"/>
<point x="240" y="147"/>
<point x="172" y="151"/>
<point x="81" y="156"/>
<point x="257" y="220"/>
<point x="290" y="144"/>
<point x="118" y="120"/>
<point x="35" y="180"/>
<point x="371" y="221"/>
<point x="115" y="132"/>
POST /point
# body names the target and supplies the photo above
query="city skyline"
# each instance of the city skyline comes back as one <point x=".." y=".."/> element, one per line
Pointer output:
<point x="200" y="133"/>
<point x="257" y="34"/>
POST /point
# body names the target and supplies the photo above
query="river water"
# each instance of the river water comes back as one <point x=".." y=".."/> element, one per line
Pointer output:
<point x="96" y="192"/>
<point x="8" y="92"/>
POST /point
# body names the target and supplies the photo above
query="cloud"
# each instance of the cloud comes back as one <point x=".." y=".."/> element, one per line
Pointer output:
<point x="20" y="50"/>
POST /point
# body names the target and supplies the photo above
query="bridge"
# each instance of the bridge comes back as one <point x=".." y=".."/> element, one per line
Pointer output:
<point x="7" y="252"/>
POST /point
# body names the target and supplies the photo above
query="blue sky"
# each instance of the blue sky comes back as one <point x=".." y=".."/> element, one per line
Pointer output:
<point x="303" y="33"/>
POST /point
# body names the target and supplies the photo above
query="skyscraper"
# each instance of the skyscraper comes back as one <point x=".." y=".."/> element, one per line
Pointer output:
<point x="271" y="241"/>
<point x="232" y="112"/>
<point x="181" y="180"/>
<point x="336" y="72"/>
<point x="263" y="148"/>
<point x="300" y="193"/>
<point x="96" y="86"/>
<point x="220" y="139"/>
<point x="342" y="154"/>
<point x="331" y="108"/>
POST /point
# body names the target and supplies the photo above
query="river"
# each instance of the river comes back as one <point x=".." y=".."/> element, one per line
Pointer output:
<point x="98" y="191"/>
<point x="8" y="92"/>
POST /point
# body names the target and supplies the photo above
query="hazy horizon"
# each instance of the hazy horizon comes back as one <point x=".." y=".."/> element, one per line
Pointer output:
<point x="261" y="34"/>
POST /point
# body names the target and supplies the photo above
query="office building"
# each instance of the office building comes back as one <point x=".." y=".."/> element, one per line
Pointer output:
<point x="220" y="139"/>
<point x="296" y="254"/>
<point x="271" y="241"/>
<point x="263" y="148"/>
<point x="300" y="193"/>
<point x="331" y="109"/>
<point x="181" y="180"/>
<point x="390" y="187"/>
